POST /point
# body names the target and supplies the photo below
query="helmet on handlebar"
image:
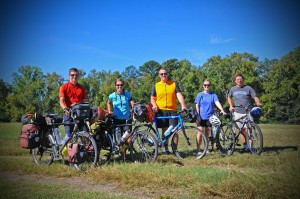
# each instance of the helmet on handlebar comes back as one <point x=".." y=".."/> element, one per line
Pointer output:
<point x="214" y="120"/>
<point x="256" y="112"/>
<point x="191" y="115"/>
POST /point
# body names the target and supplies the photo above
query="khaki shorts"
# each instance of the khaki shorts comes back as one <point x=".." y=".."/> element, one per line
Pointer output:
<point x="239" y="115"/>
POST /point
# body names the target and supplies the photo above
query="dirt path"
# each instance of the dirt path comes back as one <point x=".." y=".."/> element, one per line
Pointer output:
<point x="76" y="182"/>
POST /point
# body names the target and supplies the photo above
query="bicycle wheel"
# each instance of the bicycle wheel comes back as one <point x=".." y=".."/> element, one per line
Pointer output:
<point x="185" y="144"/>
<point x="225" y="140"/>
<point x="105" y="146"/>
<point x="143" y="146"/>
<point x="254" y="139"/>
<point x="88" y="149"/>
<point x="43" y="154"/>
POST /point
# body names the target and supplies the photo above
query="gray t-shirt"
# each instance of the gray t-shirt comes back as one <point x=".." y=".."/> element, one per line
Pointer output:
<point x="242" y="96"/>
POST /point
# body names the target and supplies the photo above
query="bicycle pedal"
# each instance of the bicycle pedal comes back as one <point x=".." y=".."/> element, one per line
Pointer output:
<point x="238" y="144"/>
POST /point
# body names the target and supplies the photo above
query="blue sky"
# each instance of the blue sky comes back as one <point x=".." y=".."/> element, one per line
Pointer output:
<point x="56" y="35"/>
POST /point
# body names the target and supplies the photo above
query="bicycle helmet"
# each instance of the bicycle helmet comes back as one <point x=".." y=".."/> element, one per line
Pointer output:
<point x="191" y="115"/>
<point x="256" y="112"/>
<point x="214" y="120"/>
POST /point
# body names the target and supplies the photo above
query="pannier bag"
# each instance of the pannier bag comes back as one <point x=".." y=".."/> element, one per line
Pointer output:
<point x="81" y="111"/>
<point x="149" y="114"/>
<point x="76" y="153"/>
<point x="98" y="113"/>
<point x="139" y="112"/>
<point x="30" y="136"/>
<point x="26" y="118"/>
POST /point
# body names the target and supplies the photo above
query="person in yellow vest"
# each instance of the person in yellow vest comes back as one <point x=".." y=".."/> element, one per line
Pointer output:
<point x="163" y="100"/>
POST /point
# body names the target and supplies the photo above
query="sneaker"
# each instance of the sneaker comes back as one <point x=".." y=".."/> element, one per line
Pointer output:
<point x="149" y="142"/>
<point x="177" y="154"/>
<point x="208" y="151"/>
<point x="199" y="152"/>
<point x="168" y="152"/>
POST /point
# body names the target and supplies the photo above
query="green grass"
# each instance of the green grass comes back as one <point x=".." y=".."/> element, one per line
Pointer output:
<point x="273" y="174"/>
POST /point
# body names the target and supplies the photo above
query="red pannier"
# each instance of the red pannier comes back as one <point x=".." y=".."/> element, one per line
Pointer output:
<point x="76" y="153"/>
<point x="98" y="113"/>
<point x="30" y="136"/>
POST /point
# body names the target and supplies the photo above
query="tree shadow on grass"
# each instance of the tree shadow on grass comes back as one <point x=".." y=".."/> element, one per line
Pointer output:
<point x="278" y="149"/>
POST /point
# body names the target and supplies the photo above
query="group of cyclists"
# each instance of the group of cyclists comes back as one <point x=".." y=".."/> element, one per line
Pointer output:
<point x="163" y="99"/>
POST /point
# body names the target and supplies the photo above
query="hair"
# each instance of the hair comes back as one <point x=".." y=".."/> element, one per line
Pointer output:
<point x="207" y="81"/>
<point x="238" y="75"/>
<point x="119" y="80"/>
<point x="73" y="69"/>
<point x="162" y="69"/>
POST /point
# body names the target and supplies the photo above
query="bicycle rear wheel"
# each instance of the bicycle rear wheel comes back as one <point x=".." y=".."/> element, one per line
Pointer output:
<point x="88" y="149"/>
<point x="254" y="139"/>
<point x="143" y="147"/>
<point x="105" y="146"/>
<point x="184" y="144"/>
<point x="43" y="154"/>
<point x="225" y="140"/>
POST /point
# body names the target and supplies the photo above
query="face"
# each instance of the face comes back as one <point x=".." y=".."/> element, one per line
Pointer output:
<point x="239" y="81"/>
<point x="206" y="86"/>
<point x="119" y="86"/>
<point x="163" y="74"/>
<point x="73" y="75"/>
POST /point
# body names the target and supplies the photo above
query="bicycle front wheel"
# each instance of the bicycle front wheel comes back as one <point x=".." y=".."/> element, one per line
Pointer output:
<point x="190" y="143"/>
<point x="225" y="140"/>
<point x="43" y="154"/>
<point x="105" y="146"/>
<point x="143" y="147"/>
<point x="254" y="139"/>
<point x="87" y="149"/>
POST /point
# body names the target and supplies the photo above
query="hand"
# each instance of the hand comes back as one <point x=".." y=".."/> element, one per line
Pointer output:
<point x="67" y="111"/>
<point x="258" y="104"/>
<point x="223" y="112"/>
<point x="231" y="109"/>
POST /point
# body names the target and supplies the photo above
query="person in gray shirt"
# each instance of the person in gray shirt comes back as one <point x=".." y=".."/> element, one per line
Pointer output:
<point x="242" y="96"/>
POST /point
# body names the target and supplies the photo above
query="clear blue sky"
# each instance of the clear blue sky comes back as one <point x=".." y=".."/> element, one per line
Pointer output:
<point x="56" y="35"/>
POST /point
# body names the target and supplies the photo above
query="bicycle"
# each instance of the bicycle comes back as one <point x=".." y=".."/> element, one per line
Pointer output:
<point x="181" y="149"/>
<point x="254" y="137"/>
<point x="142" y="145"/>
<point x="51" y="148"/>
<point x="222" y="138"/>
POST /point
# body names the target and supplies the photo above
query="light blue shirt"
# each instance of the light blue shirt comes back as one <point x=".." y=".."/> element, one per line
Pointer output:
<point x="121" y="104"/>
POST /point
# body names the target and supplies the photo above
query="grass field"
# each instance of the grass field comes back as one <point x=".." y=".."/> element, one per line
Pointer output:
<point x="273" y="174"/>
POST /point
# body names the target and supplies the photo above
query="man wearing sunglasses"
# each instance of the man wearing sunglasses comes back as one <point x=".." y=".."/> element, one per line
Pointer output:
<point x="163" y="100"/>
<point x="69" y="94"/>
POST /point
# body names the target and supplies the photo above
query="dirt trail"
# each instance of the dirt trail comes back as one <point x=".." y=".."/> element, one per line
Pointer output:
<point x="81" y="183"/>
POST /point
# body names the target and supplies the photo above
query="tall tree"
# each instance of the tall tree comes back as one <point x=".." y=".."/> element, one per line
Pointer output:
<point x="4" y="91"/>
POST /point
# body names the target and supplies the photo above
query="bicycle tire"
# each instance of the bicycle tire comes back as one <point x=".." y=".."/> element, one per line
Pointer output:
<point x="254" y="139"/>
<point x="43" y="154"/>
<point x="186" y="145"/>
<point x="143" y="146"/>
<point x="225" y="140"/>
<point x="105" y="147"/>
<point x="87" y="143"/>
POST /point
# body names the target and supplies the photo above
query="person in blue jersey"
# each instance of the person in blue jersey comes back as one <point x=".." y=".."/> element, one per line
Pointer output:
<point x="205" y="103"/>
<point x="118" y="104"/>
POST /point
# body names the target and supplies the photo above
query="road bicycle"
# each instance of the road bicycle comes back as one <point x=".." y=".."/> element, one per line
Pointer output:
<point x="184" y="138"/>
<point x="51" y="148"/>
<point x="254" y="137"/>
<point x="142" y="145"/>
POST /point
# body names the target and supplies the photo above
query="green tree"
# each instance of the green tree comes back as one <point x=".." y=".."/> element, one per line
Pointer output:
<point x="4" y="91"/>
<point x="282" y="86"/>
<point x="28" y="92"/>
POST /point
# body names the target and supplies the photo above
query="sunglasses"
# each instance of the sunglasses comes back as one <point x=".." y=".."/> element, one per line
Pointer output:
<point x="119" y="85"/>
<point x="161" y="74"/>
<point x="76" y="75"/>
<point x="206" y="85"/>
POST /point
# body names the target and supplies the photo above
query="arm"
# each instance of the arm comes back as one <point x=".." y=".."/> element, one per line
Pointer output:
<point x="109" y="106"/>
<point x="231" y="108"/>
<point x="257" y="101"/>
<point x="218" y="104"/>
<point x="181" y="100"/>
<point x="153" y="102"/>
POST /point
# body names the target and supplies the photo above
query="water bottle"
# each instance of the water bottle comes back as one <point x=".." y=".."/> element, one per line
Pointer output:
<point x="168" y="131"/>
<point x="118" y="134"/>
<point x="214" y="131"/>
<point x="125" y="136"/>
<point x="57" y="136"/>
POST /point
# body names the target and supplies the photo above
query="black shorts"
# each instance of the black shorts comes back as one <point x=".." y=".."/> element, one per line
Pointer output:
<point x="124" y="128"/>
<point x="203" y="123"/>
<point x="164" y="123"/>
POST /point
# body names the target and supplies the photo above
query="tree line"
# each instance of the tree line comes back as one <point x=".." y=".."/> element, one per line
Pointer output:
<point x="276" y="82"/>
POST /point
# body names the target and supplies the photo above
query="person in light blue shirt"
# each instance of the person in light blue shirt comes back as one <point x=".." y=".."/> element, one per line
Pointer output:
<point x="120" y="101"/>
<point x="205" y="103"/>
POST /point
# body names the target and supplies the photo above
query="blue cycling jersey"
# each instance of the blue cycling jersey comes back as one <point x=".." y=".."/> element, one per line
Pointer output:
<point x="121" y="104"/>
